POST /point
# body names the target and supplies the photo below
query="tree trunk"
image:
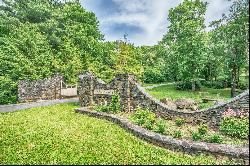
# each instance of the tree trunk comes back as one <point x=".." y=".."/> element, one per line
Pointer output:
<point x="238" y="78"/>
<point x="193" y="86"/>
<point x="234" y="74"/>
<point x="234" y="84"/>
<point x="247" y="49"/>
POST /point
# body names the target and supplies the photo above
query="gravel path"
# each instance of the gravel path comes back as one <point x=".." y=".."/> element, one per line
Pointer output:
<point x="155" y="86"/>
<point x="22" y="106"/>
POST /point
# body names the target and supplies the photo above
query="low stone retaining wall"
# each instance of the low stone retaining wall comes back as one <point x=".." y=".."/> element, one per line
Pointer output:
<point x="234" y="152"/>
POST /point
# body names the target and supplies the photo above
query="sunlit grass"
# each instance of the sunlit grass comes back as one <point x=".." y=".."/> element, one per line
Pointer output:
<point x="170" y="92"/>
<point x="58" y="135"/>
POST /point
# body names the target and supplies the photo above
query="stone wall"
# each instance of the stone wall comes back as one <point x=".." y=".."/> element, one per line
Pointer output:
<point x="94" y="91"/>
<point x="235" y="152"/>
<point x="43" y="89"/>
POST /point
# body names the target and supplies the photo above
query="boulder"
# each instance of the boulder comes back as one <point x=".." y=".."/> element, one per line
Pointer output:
<point x="169" y="102"/>
<point x="219" y="102"/>
<point x="186" y="104"/>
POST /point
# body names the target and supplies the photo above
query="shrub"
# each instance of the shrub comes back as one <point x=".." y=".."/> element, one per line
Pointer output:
<point x="153" y="75"/>
<point x="102" y="108"/>
<point x="215" y="84"/>
<point x="160" y="126"/>
<point x="202" y="129"/>
<point x="115" y="104"/>
<point x="149" y="125"/>
<point x="196" y="136"/>
<point x="220" y="83"/>
<point x="8" y="90"/>
<point x="144" y="118"/>
<point x="235" y="127"/>
<point x="179" y="121"/>
<point x="243" y="85"/>
<point x="113" y="107"/>
<point x="187" y="85"/>
<point x="177" y="134"/>
<point x="215" y="139"/>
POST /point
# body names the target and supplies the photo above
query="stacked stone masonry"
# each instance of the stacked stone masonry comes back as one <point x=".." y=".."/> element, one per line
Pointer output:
<point x="238" y="153"/>
<point x="43" y="89"/>
<point x="133" y="95"/>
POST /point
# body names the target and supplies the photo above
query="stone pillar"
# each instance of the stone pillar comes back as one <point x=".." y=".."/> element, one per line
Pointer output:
<point x="123" y="87"/>
<point x="86" y="90"/>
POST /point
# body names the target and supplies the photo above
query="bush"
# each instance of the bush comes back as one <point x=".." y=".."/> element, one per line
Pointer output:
<point x="215" y="139"/>
<point x="202" y="129"/>
<point x="144" y="118"/>
<point x="179" y="121"/>
<point x="177" y="134"/>
<point x="160" y="126"/>
<point x="114" y="107"/>
<point x="8" y="91"/>
<point x="115" y="104"/>
<point x="187" y="85"/>
<point x="243" y="85"/>
<point x="102" y="108"/>
<point x="219" y="84"/>
<point x="235" y="127"/>
<point x="153" y="75"/>
<point x="196" y="136"/>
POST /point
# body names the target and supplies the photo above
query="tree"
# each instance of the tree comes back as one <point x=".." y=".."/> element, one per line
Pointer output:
<point x="186" y="39"/>
<point x="40" y="38"/>
<point x="232" y="31"/>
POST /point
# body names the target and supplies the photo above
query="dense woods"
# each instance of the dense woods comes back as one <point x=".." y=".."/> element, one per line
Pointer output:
<point x="43" y="37"/>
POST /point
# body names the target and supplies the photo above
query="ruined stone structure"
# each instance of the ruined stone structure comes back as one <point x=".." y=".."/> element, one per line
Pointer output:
<point x="94" y="91"/>
<point x="43" y="89"/>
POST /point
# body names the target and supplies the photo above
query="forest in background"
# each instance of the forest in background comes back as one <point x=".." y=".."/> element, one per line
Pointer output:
<point x="43" y="37"/>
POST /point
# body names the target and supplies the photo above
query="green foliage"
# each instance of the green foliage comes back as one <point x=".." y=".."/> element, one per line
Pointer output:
<point x="113" y="107"/>
<point x="216" y="84"/>
<point x="244" y="84"/>
<point x="186" y="40"/>
<point x="179" y="121"/>
<point x="153" y="75"/>
<point x="160" y="126"/>
<point x="43" y="38"/>
<point x="102" y="108"/>
<point x="144" y="118"/>
<point x="203" y="129"/>
<point x="7" y="90"/>
<point x="215" y="138"/>
<point x="235" y="127"/>
<point x="196" y="136"/>
<point x="72" y="139"/>
<point x="177" y="134"/>
<point x="187" y="85"/>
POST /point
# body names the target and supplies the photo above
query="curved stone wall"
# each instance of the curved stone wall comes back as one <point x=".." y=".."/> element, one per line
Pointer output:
<point x="231" y="151"/>
<point x="133" y="95"/>
<point x="212" y="115"/>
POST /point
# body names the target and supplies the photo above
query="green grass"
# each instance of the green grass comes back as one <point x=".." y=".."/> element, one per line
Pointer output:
<point x="169" y="91"/>
<point x="58" y="135"/>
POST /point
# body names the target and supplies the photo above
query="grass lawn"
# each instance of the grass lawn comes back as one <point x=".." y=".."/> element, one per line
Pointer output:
<point x="169" y="91"/>
<point x="58" y="135"/>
